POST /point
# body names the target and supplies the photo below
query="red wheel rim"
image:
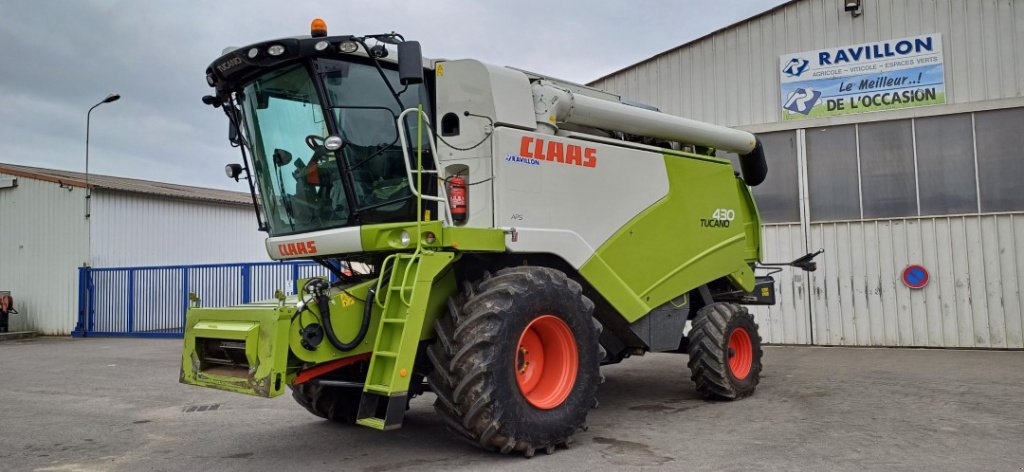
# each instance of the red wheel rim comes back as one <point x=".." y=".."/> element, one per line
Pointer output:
<point x="546" y="362"/>
<point x="741" y="353"/>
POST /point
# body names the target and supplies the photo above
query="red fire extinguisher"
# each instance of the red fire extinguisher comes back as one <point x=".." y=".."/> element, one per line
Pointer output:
<point x="458" y="197"/>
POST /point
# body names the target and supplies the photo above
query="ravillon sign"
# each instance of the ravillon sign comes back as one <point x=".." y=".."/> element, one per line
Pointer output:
<point x="884" y="75"/>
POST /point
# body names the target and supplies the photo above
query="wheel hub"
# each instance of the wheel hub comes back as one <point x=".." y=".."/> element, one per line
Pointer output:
<point x="546" y="362"/>
<point x="740" y="353"/>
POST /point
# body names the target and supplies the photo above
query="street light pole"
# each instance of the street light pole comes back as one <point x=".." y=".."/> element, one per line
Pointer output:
<point x="88" y="117"/>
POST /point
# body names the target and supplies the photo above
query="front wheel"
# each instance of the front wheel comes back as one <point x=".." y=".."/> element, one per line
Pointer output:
<point x="517" y="361"/>
<point x="725" y="352"/>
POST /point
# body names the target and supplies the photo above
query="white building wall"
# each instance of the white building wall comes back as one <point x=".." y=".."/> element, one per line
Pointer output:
<point x="732" y="76"/>
<point x="43" y="241"/>
<point x="131" y="229"/>
<point x="973" y="299"/>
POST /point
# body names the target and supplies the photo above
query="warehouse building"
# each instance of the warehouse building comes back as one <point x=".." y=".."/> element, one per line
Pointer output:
<point x="894" y="131"/>
<point x="48" y="229"/>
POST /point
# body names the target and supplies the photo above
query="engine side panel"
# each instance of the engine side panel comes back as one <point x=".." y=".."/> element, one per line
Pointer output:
<point x="567" y="196"/>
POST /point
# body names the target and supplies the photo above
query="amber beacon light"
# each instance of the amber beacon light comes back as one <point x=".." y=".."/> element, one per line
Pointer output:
<point x="318" y="28"/>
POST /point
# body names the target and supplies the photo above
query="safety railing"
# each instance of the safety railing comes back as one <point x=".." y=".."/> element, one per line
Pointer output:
<point x="152" y="301"/>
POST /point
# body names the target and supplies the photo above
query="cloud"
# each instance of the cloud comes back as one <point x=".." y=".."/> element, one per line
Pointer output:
<point x="60" y="58"/>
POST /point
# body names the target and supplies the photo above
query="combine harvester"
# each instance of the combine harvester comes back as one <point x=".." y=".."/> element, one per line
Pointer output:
<point x="502" y="233"/>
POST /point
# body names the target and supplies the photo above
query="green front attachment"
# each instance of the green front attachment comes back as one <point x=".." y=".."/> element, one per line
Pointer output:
<point x="256" y="349"/>
<point x="241" y="349"/>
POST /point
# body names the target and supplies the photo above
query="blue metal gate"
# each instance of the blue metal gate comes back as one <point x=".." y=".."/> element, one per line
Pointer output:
<point x="152" y="301"/>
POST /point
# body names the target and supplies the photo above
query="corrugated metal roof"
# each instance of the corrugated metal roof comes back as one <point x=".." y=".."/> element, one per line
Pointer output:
<point x="124" y="184"/>
<point x="780" y="6"/>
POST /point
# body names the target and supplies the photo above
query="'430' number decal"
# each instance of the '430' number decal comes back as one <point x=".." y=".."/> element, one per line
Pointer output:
<point x="721" y="218"/>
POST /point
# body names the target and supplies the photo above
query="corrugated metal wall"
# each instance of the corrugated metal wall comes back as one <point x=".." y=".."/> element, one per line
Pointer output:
<point x="973" y="299"/>
<point x="42" y="243"/>
<point x="732" y="76"/>
<point x="44" y="238"/>
<point x="131" y="229"/>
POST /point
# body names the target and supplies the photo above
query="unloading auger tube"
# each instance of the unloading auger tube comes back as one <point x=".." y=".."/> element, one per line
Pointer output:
<point x="554" y="104"/>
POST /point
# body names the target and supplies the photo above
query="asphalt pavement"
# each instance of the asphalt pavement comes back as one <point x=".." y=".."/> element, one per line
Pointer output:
<point x="116" y="404"/>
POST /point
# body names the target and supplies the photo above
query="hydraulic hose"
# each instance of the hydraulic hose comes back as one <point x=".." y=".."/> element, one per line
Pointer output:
<point x="323" y="304"/>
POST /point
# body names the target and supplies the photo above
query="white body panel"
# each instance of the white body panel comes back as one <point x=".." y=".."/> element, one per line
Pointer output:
<point x="622" y="183"/>
<point x="326" y="242"/>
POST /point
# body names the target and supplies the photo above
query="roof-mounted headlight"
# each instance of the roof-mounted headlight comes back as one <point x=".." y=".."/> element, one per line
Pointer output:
<point x="275" y="50"/>
<point x="348" y="47"/>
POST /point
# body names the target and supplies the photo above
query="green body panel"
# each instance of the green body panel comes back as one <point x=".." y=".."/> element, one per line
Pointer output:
<point x="388" y="237"/>
<point x="667" y="250"/>
<point x="263" y="329"/>
<point x="346" y="317"/>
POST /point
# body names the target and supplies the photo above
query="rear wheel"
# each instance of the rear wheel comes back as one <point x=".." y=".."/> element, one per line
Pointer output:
<point x="517" y="361"/>
<point x="725" y="352"/>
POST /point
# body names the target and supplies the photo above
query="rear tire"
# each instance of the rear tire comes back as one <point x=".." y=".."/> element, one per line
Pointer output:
<point x="485" y="378"/>
<point x="725" y="352"/>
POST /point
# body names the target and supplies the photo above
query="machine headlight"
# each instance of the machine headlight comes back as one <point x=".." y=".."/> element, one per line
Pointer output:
<point x="333" y="143"/>
<point x="321" y="45"/>
<point x="275" y="50"/>
<point x="348" y="47"/>
<point x="405" y="239"/>
<point x="253" y="52"/>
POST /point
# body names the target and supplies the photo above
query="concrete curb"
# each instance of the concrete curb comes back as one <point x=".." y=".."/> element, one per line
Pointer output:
<point x="17" y="335"/>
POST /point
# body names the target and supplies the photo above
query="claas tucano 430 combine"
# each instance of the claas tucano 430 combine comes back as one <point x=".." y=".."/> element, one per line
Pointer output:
<point x="493" y="236"/>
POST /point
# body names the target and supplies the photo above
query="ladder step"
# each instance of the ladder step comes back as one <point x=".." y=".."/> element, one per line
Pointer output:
<point x="381" y="389"/>
<point x="375" y="423"/>
<point x="385" y="354"/>
<point x="393" y="321"/>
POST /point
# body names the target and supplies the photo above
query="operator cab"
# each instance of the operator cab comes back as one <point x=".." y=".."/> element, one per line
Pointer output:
<point x="318" y="115"/>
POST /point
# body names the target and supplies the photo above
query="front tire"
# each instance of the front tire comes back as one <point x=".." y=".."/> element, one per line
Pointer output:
<point x="725" y="352"/>
<point x="517" y="361"/>
<point x="337" y="404"/>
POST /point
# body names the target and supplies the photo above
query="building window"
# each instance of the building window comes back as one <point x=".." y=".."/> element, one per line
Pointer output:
<point x="778" y="198"/>
<point x="832" y="173"/>
<point x="945" y="165"/>
<point x="888" y="185"/>
<point x="1000" y="140"/>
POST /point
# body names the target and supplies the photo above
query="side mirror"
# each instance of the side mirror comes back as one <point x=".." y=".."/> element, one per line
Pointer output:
<point x="410" y="63"/>
<point x="233" y="136"/>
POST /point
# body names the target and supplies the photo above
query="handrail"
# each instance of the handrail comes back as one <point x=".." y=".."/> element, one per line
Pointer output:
<point x="443" y="198"/>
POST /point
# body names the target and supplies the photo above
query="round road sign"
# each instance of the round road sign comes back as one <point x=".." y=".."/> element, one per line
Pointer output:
<point x="915" y="276"/>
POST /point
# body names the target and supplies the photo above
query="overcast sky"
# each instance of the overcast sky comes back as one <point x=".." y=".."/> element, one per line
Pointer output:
<point x="61" y="57"/>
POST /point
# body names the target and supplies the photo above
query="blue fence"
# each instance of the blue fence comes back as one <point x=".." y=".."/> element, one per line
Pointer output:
<point x="152" y="301"/>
